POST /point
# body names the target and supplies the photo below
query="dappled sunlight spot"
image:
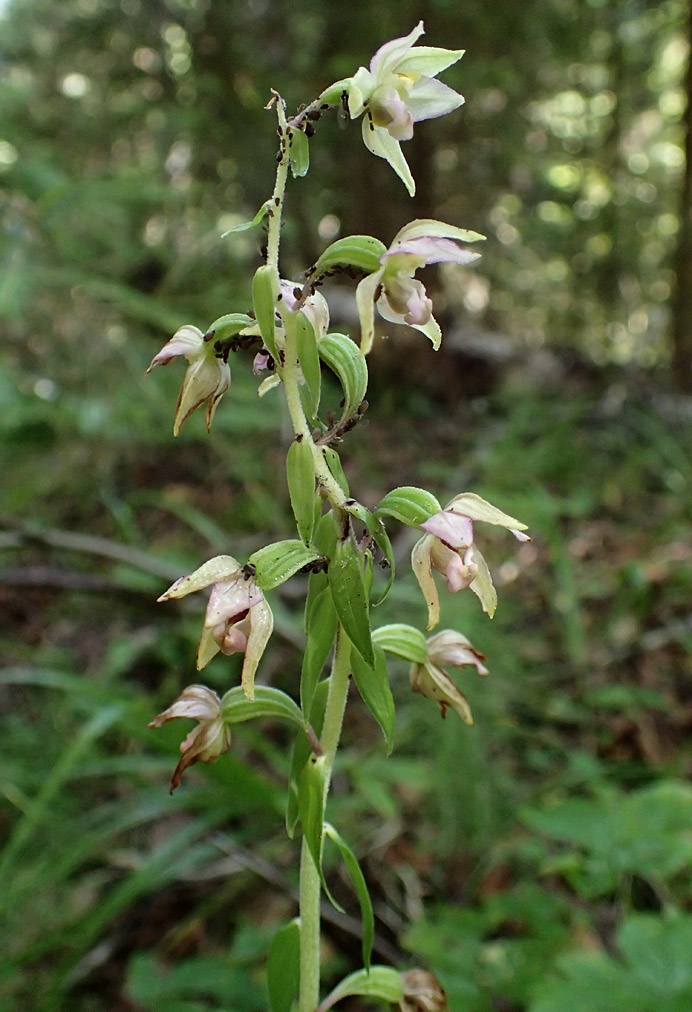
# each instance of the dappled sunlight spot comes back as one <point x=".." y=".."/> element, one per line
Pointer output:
<point x="46" y="389"/>
<point x="553" y="213"/>
<point x="566" y="176"/>
<point x="146" y="59"/>
<point x="75" y="85"/>
<point x="8" y="155"/>
<point x="668" y="154"/>
<point x="507" y="234"/>
<point x="329" y="227"/>
<point x="637" y="162"/>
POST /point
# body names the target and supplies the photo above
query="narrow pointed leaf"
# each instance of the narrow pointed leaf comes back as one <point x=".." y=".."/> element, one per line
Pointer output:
<point x="299" y="153"/>
<point x="321" y="632"/>
<point x="311" y="783"/>
<point x="379" y="534"/>
<point x="276" y="563"/>
<point x="361" y="890"/>
<point x="345" y="360"/>
<point x="283" y="967"/>
<point x="404" y="640"/>
<point x="410" y="505"/>
<point x="309" y="361"/>
<point x="334" y="464"/>
<point x="382" y="982"/>
<point x="248" y="224"/>
<point x="348" y="593"/>
<point x="302" y="750"/>
<point x="300" y="473"/>
<point x="373" y="685"/>
<point x="265" y="288"/>
<point x="268" y="702"/>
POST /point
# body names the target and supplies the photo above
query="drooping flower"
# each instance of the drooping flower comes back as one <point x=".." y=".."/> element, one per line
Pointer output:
<point x="207" y="378"/>
<point x="430" y="678"/>
<point x="237" y="619"/>
<point x="206" y="742"/>
<point x="397" y="91"/>
<point x="448" y="547"/>
<point x="398" y="296"/>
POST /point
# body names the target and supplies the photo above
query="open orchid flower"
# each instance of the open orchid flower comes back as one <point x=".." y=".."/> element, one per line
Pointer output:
<point x="449" y="548"/>
<point x="399" y="297"/>
<point x="237" y="620"/>
<point x="207" y="376"/>
<point x="206" y="742"/>
<point x="397" y="91"/>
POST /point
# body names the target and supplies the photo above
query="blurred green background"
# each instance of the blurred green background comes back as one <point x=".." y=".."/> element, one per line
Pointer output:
<point x="539" y="860"/>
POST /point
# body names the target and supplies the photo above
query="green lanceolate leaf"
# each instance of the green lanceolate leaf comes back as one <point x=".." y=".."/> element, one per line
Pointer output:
<point x="378" y="982"/>
<point x="302" y="750"/>
<point x="334" y="464"/>
<point x="373" y="685"/>
<point x="300" y="473"/>
<point x="361" y="889"/>
<point x="325" y="535"/>
<point x="345" y="360"/>
<point x="309" y="361"/>
<point x="268" y="702"/>
<point x="361" y="252"/>
<point x="410" y="505"/>
<point x="249" y="224"/>
<point x="298" y="153"/>
<point x="228" y="326"/>
<point x="403" y="640"/>
<point x="350" y="600"/>
<point x="321" y="633"/>
<point x="276" y="563"/>
<point x="264" y="292"/>
<point x="311" y="784"/>
<point x="379" y="534"/>
<point x="283" y="967"/>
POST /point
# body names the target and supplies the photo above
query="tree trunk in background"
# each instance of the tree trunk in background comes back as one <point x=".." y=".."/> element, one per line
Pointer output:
<point x="682" y="302"/>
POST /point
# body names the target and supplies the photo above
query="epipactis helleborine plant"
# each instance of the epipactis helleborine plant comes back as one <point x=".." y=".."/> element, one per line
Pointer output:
<point x="287" y="333"/>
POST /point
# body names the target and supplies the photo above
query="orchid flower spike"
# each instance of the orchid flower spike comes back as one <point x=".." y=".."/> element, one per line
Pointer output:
<point x="206" y="742"/>
<point x="207" y="378"/>
<point x="431" y="680"/>
<point x="237" y="620"/>
<point x="397" y="91"/>
<point x="399" y="297"/>
<point x="449" y="548"/>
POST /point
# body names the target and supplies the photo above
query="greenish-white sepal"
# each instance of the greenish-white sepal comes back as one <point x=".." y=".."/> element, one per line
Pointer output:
<point x="350" y="601"/>
<point x="403" y="640"/>
<point x="345" y="360"/>
<point x="301" y="752"/>
<point x="361" y="890"/>
<point x="382" y="982"/>
<point x="277" y="562"/>
<point x="298" y="153"/>
<point x="432" y="331"/>
<point x="320" y="623"/>
<point x="381" y="143"/>
<point x="309" y="360"/>
<point x="373" y="685"/>
<point x="379" y="535"/>
<point x="300" y="473"/>
<point x="216" y="570"/>
<point x="268" y="702"/>
<point x="265" y="289"/>
<point x="362" y="252"/>
<point x="268" y="384"/>
<point x="365" y="303"/>
<point x="410" y="505"/>
<point x="430" y="227"/>
<point x="333" y="94"/>
<point x="428" y="61"/>
<point x="249" y="224"/>
<point x="337" y="472"/>
<point x="283" y="966"/>
<point x="482" y="584"/>
<point x="311" y="786"/>
<point x="468" y="504"/>
<point x="229" y="325"/>
<point x="421" y="564"/>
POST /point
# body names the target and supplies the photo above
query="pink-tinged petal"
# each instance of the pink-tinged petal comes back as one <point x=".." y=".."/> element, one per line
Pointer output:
<point x="221" y="567"/>
<point x="196" y="701"/>
<point x="458" y="573"/>
<point x="408" y="299"/>
<point x="188" y="341"/>
<point x="231" y="598"/>
<point x="456" y="531"/>
<point x="260" y="362"/>
<point x="428" y="61"/>
<point x="390" y="111"/>
<point x="451" y="647"/>
<point x="519" y="535"/>
<point x="429" y="99"/>
<point x="392" y="53"/>
<point x="431" y="251"/>
<point x="381" y="143"/>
